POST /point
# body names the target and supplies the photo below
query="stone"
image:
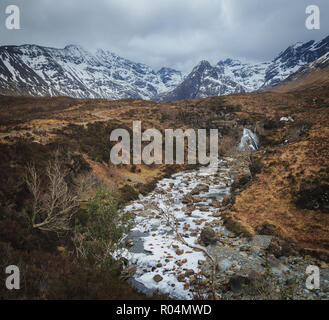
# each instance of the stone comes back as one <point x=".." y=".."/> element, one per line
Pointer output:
<point x="201" y="188"/>
<point x="179" y="252"/>
<point x="279" y="247"/>
<point x="157" y="278"/>
<point x="272" y="261"/>
<point x="189" y="273"/>
<point x="197" y="199"/>
<point x="244" y="249"/>
<point x="208" y="236"/>
<point x="276" y="266"/>
<point x="181" y="277"/>
<point x="225" y="241"/>
<point x="217" y="214"/>
<point x="244" y="278"/>
<point x="261" y="241"/>
<point x="216" y="204"/>
<point x="266" y="229"/>
<point x="188" y="199"/>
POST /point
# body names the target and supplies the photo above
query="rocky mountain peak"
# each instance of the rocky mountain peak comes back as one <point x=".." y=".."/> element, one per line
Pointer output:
<point x="202" y="65"/>
<point x="76" y="72"/>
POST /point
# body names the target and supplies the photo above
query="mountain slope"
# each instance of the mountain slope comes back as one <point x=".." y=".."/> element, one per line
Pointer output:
<point x="75" y="72"/>
<point x="294" y="58"/>
<point x="313" y="75"/>
<point x="229" y="76"/>
<point x="232" y="76"/>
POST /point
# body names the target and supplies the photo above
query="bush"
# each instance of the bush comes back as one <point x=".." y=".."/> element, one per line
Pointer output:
<point x="102" y="230"/>
<point x="255" y="165"/>
<point x="313" y="195"/>
<point x="227" y="146"/>
<point x="128" y="193"/>
<point x="146" y="188"/>
<point x="270" y="124"/>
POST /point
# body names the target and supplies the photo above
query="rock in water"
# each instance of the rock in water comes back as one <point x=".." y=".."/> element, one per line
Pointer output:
<point x="244" y="279"/>
<point x="208" y="236"/>
<point x="157" y="278"/>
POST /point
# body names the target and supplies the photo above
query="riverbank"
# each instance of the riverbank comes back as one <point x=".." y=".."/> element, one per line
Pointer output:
<point x="179" y="236"/>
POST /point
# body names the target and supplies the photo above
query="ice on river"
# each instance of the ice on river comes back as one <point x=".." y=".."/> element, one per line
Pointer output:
<point x="156" y="250"/>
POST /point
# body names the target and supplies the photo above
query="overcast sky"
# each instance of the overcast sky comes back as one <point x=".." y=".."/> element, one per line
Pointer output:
<point x="172" y="33"/>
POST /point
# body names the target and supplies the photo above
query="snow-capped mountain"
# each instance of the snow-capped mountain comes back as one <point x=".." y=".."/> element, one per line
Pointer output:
<point x="75" y="72"/>
<point x="293" y="58"/>
<point x="229" y="76"/>
<point x="312" y="76"/>
<point x="233" y="76"/>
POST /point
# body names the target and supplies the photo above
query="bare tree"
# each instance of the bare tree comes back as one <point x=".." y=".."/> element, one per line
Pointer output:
<point x="53" y="208"/>
<point x="87" y="182"/>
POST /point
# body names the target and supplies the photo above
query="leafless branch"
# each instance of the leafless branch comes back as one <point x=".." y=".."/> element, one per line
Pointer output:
<point x="52" y="209"/>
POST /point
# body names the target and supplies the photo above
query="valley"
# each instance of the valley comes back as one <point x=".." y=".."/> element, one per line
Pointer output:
<point x="164" y="156"/>
<point x="276" y="194"/>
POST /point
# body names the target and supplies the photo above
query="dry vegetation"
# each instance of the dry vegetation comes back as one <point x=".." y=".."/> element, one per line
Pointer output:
<point x="289" y="174"/>
<point x="294" y="158"/>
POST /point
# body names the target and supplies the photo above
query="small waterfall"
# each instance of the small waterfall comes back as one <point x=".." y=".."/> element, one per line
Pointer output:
<point x="249" y="140"/>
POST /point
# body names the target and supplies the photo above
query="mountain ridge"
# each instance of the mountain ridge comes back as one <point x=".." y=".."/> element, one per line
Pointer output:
<point x="73" y="71"/>
<point x="312" y="75"/>
<point x="232" y="76"/>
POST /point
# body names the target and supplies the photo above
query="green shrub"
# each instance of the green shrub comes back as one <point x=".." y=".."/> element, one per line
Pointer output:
<point x="100" y="233"/>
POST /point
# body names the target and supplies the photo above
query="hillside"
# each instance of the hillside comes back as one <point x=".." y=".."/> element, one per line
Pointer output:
<point x="283" y="197"/>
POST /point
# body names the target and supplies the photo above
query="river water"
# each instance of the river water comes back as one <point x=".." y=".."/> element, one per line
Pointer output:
<point x="156" y="250"/>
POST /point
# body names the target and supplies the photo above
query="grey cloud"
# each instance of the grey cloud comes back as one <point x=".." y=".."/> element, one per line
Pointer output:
<point x="174" y="33"/>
